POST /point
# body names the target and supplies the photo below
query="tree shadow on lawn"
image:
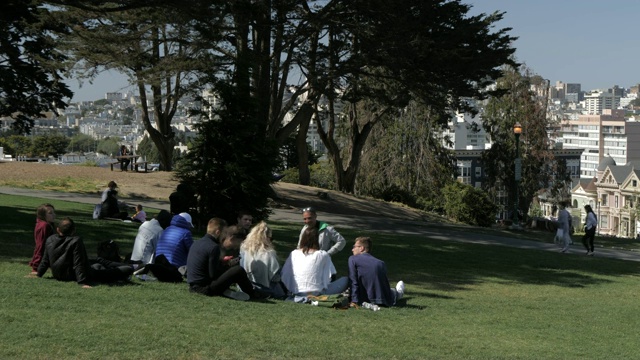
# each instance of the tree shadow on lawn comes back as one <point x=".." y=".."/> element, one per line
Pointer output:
<point x="454" y="266"/>
<point x="16" y="234"/>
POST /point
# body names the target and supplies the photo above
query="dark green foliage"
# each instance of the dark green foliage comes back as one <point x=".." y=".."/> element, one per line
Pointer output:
<point x="230" y="164"/>
<point x="83" y="143"/>
<point x="148" y="149"/>
<point x="289" y="154"/>
<point x="469" y="205"/>
<point x="109" y="146"/>
<point x="322" y="175"/>
<point x="30" y="80"/>
<point x="50" y="145"/>
<point x="404" y="160"/>
<point x="519" y="104"/>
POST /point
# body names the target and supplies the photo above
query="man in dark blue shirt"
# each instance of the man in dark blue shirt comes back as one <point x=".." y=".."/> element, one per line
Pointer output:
<point x="368" y="277"/>
<point x="210" y="270"/>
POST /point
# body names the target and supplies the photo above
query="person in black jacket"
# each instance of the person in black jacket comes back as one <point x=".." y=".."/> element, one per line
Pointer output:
<point x="211" y="271"/>
<point x="110" y="206"/>
<point x="66" y="255"/>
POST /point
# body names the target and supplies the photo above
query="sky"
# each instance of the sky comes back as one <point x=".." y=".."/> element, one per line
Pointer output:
<point x="591" y="42"/>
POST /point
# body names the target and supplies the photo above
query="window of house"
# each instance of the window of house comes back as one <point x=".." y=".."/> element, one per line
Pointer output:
<point x="615" y="200"/>
<point x="604" y="222"/>
<point x="605" y="200"/>
<point x="634" y="183"/>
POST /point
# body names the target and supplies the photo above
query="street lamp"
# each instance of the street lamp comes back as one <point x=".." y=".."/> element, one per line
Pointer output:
<point x="517" y="130"/>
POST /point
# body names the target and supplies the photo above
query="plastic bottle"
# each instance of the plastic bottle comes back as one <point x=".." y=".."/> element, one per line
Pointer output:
<point x="369" y="306"/>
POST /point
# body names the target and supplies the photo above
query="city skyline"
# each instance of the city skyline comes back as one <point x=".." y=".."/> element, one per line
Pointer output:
<point x="587" y="42"/>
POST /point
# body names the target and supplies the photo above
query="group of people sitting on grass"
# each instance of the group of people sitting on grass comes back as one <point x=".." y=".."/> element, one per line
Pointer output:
<point x="237" y="261"/>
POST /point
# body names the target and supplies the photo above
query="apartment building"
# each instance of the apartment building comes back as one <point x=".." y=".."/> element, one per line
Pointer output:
<point x="600" y="135"/>
<point x="614" y="195"/>
<point x="597" y="101"/>
<point x="465" y="132"/>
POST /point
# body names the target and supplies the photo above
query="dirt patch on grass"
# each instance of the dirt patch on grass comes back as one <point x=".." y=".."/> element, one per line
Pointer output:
<point x="159" y="185"/>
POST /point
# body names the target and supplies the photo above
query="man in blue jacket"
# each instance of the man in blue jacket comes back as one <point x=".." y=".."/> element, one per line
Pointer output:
<point x="176" y="240"/>
<point x="368" y="277"/>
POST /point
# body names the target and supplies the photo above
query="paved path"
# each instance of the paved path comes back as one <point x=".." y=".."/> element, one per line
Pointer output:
<point x="441" y="231"/>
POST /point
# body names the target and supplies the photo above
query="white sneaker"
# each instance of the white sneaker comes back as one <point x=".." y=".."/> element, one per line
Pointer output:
<point x="400" y="289"/>
<point x="236" y="295"/>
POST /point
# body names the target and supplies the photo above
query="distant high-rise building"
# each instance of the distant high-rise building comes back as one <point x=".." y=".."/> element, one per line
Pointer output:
<point x="600" y="135"/>
<point x="597" y="100"/>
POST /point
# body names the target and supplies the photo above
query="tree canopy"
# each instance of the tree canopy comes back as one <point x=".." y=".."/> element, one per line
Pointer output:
<point x="30" y="63"/>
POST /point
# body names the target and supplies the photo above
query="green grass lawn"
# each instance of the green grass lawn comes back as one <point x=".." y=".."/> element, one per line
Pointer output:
<point x="463" y="301"/>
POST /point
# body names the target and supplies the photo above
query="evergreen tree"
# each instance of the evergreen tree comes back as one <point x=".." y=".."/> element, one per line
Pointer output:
<point x="30" y="63"/>
<point x="230" y="163"/>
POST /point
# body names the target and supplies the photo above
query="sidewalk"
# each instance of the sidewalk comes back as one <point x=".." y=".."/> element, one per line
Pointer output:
<point x="444" y="232"/>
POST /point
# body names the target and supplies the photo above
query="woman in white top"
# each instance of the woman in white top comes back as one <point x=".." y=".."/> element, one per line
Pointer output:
<point x="564" y="223"/>
<point x="308" y="270"/>
<point x="259" y="259"/>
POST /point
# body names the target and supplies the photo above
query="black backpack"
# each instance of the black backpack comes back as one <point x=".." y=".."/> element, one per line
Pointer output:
<point x="109" y="250"/>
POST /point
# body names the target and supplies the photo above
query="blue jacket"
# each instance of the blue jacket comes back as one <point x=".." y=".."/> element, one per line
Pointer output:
<point x="175" y="241"/>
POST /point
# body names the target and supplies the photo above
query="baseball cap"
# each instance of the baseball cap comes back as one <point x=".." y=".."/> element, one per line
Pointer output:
<point x="186" y="217"/>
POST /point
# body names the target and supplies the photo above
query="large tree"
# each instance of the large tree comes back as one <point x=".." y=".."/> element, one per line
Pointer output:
<point x="519" y="104"/>
<point x="390" y="53"/>
<point x="30" y="76"/>
<point x="153" y="44"/>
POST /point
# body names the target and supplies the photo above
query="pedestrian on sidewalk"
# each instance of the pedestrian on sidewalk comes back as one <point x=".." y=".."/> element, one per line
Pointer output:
<point x="591" y="222"/>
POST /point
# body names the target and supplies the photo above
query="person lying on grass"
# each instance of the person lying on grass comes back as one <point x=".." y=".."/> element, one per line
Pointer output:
<point x="66" y="255"/>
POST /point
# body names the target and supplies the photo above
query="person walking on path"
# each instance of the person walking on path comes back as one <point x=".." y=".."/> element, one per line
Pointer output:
<point x="328" y="238"/>
<point x="591" y="222"/>
<point x="564" y="224"/>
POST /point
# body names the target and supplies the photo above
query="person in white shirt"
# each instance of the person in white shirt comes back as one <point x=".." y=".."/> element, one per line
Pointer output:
<point x="144" y="247"/>
<point x="308" y="269"/>
<point x="260" y="261"/>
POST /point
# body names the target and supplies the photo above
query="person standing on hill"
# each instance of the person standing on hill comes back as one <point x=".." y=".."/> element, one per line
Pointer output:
<point x="591" y="223"/>
<point x="45" y="217"/>
<point x="368" y="277"/>
<point x="328" y="238"/>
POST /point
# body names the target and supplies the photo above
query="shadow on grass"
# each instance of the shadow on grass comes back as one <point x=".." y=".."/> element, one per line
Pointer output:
<point x="421" y="259"/>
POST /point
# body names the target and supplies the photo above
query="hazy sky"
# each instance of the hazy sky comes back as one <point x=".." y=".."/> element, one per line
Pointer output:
<point x="594" y="43"/>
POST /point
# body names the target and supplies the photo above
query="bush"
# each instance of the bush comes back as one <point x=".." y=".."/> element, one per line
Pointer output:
<point x="469" y="205"/>
<point x="322" y="175"/>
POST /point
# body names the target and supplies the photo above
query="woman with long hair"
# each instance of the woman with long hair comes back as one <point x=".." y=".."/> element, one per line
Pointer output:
<point x="591" y="222"/>
<point x="260" y="261"/>
<point x="308" y="270"/>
